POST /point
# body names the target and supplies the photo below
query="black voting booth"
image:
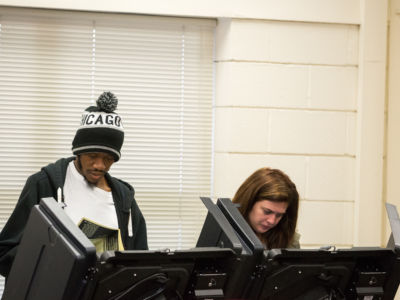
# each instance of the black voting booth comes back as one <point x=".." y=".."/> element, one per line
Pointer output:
<point x="224" y="227"/>
<point x="305" y="274"/>
<point x="56" y="261"/>
<point x="53" y="258"/>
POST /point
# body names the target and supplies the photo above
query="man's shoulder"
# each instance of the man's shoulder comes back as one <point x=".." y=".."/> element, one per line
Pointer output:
<point x="122" y="188"/>
<point x="120" y="183"/>
<point x="50" y="169"/>
<point x="61" y="162"/>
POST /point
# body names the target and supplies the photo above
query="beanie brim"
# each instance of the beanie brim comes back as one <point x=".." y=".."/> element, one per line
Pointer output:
<point x="98" y="140"/>
<point x="93" y="148"/>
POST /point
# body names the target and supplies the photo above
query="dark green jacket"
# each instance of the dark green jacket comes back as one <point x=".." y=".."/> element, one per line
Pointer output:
<point x="45" y="183"/>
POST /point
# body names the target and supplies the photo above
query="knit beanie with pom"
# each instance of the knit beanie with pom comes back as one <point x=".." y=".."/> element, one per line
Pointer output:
<point x="101" y="128"/>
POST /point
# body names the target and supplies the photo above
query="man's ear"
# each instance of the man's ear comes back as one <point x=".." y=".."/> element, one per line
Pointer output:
<point x="78" y="163"/>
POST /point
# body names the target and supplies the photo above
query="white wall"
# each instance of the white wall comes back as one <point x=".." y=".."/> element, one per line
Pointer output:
<point x="300" y="87"/>
<point x="308" y="98"/>
<point x="393" y="112"/>
<point x="338" y="11"/>
<point x="369" y="213"/>
<point x="278" y="104"/>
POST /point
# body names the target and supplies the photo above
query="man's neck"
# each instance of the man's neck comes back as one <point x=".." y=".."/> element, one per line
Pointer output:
<point x="101" y="184"/>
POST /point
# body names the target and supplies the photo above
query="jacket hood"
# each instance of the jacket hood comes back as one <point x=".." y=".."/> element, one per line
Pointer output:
<point x="123" y="190"/>
<point x="56" y="172"/>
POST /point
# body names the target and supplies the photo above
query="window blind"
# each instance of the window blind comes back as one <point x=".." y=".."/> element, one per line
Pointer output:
<point x="54" y="64"/>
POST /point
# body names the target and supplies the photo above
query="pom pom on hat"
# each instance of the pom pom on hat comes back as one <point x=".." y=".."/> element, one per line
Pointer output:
<point x="101" y="128"/>
<point x="107" y="102"/>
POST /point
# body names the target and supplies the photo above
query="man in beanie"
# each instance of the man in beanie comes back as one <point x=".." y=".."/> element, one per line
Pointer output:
<point x="82" y="183"/>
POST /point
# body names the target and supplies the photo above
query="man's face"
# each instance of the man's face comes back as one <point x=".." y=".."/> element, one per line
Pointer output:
<point x="94" y="165"/>
<point x="266" y="214"/>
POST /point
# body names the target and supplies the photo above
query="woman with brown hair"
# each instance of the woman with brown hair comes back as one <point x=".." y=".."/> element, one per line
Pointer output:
<point x="269" y="202"/>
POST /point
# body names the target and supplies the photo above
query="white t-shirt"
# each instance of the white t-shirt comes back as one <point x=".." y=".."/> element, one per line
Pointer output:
<point x="83" y="199"/>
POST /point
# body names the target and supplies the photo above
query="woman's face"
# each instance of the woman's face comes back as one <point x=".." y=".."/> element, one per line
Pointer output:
<point x="266" y="214"/>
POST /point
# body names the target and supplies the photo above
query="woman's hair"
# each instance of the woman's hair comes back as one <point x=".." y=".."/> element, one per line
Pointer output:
<point x="272" y="185"/>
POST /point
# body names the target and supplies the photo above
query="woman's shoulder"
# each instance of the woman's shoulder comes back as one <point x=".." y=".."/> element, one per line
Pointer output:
<point x="295" y="241"/>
